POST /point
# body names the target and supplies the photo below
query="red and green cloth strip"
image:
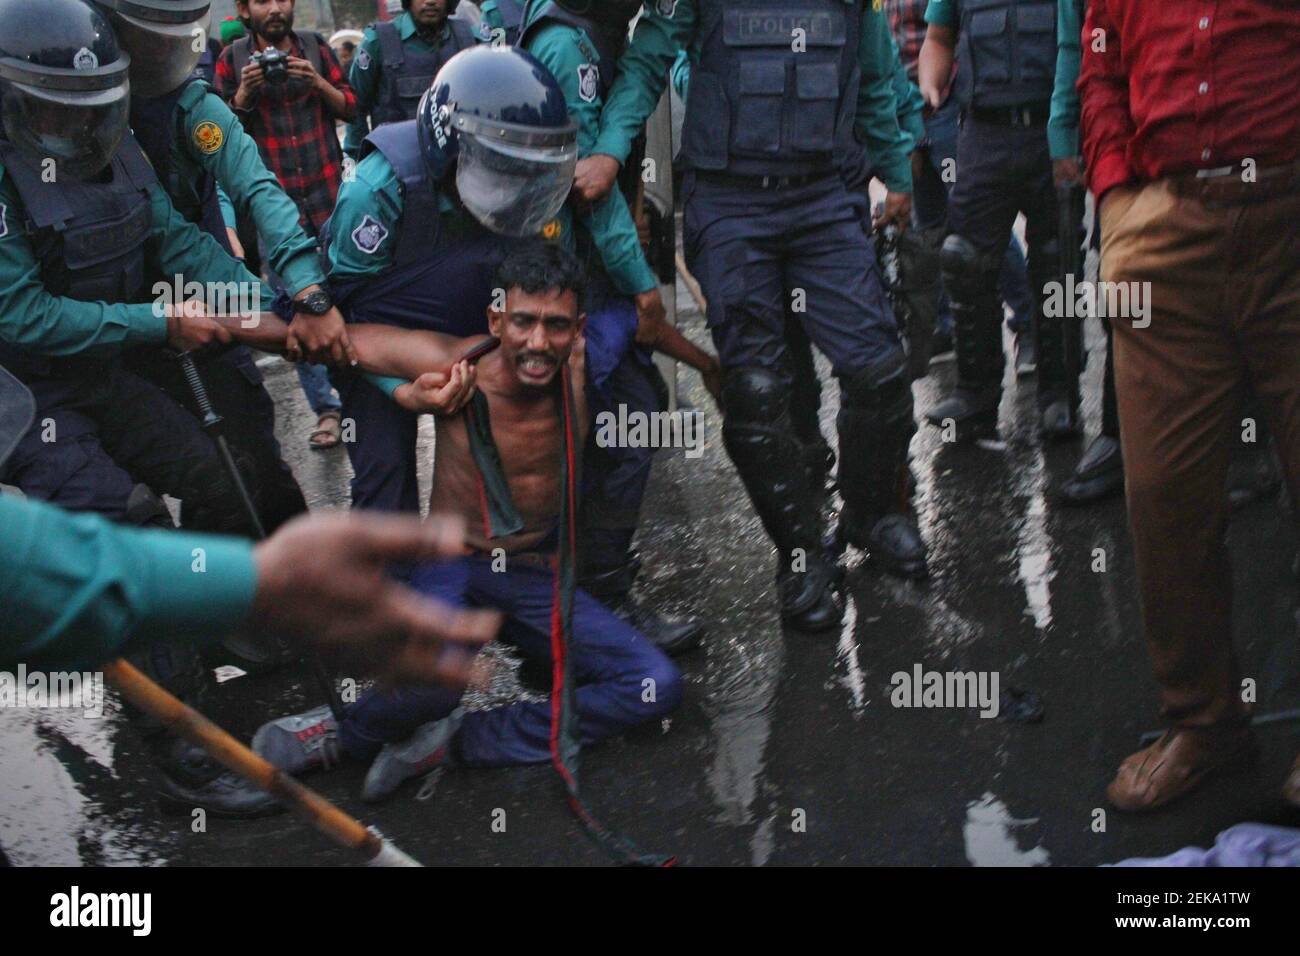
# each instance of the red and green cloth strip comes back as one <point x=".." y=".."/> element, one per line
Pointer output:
<point x="501" y="519"/>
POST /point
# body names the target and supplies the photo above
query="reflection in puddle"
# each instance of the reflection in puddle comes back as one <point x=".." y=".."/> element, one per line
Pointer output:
<point x="990" y="833"/>
<point x="55" y="763"/>
<point x="1035" y="545"/>
<point x="846" y="651"/>
<point x="739" y="706"/>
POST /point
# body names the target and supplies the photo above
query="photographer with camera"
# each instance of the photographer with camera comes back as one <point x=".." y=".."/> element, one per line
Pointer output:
<point x="287" y="88"/>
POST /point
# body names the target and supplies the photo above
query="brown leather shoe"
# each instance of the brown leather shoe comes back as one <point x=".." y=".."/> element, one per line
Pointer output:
<point x="1291" y="787"/>
<point x="1175" y="764"/>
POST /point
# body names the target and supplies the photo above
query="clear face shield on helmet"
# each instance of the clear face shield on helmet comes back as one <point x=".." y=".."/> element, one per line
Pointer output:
<point x="75" y="117"/>
<point x="165" y="39"/>
<point x="513" y="179"/>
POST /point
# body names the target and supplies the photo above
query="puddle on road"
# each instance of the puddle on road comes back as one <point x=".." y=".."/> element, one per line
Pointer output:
<point x="55" y="764"/>
<point x="993" y="837"/>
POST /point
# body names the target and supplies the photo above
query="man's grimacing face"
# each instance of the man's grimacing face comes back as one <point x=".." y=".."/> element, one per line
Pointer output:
<point x="537" y="332"/>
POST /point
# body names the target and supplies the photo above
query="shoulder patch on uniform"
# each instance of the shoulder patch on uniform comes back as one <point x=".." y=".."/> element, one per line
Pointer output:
<point x="666" y="8"/>
<point x="363" y="59"/>
<point x="588" y="82"/>
<point x="552" y="229"/>
<point x="208" y="137"/>
<point x="4" y="220"/>
<point x="369" y="236"/>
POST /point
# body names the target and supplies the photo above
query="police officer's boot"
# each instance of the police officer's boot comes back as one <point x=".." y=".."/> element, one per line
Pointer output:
<point x="1058" y="383"/>
<point x="759" y="437"/>
<point x="971" y="280"/>
<point x="610" y="582"/>
<point x="876" y="427"/>
<point x="188" y="778"/>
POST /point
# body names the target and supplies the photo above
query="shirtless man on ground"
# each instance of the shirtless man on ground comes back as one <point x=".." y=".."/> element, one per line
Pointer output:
<point x="623" y="679"/>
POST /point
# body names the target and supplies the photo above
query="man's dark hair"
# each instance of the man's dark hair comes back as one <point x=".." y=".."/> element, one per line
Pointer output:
<point x="538" y="266"/>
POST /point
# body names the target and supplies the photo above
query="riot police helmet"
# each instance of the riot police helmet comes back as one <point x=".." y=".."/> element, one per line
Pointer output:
<point x="496" y="119"/>
<point x="165" y="39"/>
<point x="64" y="87"/>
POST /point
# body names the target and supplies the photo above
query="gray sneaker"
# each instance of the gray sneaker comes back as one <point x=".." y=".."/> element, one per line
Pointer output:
<point x="422" y="752"/>
<point x="300" y="742"/>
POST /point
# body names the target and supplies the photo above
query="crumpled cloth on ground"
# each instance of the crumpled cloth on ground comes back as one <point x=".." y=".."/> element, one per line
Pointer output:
<point x="1246" y="844"/>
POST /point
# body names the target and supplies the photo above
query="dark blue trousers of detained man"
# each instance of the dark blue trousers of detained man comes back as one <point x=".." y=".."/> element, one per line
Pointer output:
<point x="622" y="681"/>
<point x="765" y="248"/>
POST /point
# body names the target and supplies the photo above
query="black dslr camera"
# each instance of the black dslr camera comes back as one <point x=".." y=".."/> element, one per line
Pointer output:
<point x="274" y="64"/>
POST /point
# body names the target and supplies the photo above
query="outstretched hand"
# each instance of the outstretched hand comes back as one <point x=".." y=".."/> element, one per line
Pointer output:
<point x="323" y="578"/>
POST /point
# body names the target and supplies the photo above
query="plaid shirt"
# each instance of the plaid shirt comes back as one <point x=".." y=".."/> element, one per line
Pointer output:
<point x="295" y="134"/>
<point x="907" y="23"/>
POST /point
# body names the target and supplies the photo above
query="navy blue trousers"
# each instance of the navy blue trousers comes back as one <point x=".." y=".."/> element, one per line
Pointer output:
<point x="623" y="680"/>
<point x="760" y="254"/>
<point x="101" y="430"/>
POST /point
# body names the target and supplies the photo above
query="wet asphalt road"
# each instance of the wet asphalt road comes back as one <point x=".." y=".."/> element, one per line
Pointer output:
<point x="778" y="729"/>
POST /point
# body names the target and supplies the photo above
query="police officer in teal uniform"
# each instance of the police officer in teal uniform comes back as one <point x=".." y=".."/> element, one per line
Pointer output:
<point x="580" y="43"/>
<point x="780" y="101"/>
<point x="83" y="224"/>
<point x="397" y="61"/>
<point x="200" y="153"/>
<point x="1006" y="50"/>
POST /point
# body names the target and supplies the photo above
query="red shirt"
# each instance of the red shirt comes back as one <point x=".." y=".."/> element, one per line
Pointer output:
<point x="1188" y="84"/>
<point x="295" y="133"/>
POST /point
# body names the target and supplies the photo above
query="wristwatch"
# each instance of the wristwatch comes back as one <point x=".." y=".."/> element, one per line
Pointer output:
<point x="314" y="303"/>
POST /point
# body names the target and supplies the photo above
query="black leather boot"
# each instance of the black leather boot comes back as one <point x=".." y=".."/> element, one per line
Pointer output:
<point x="1060" y="348"/>
<point x="613" y="589"/>
<point x="971" y="411"/>
<point x="759" y="438"/>
<point x="1099" y="473"/>
<point x="876" y="426"/>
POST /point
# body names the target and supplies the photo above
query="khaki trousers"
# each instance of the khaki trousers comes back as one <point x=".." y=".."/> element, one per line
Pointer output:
<point x="1223" y="263"/>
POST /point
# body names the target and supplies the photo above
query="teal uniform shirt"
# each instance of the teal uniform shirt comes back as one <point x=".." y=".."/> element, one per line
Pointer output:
<point x="366" y="73"/>
<point x="645" y="65"/>
<point x="372" y="199"/>
<point x="569" y="54"/>
<point x="32" y="318"/>
<point x="80" y="590"/>
<point x="1063" y="124"/>
<point x="907" y="95"/>
<point x="944" y="13"/>
<point x="373" y="196"/>
<point x="209" y="138"/>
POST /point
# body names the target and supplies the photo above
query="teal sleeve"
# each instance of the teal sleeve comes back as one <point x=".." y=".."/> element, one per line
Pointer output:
<point x="181" y="249"/>
<point x="681" y="74"/>
<point x="388" y="384"/>
<point x="227" y="209"/>
<point x="877" y="113"/>
<point x="364" y="83"/>
<point x="943" y="13"/>
<point x="254" y="191"/>
<point x="80" y="590"/>
<point x="642" y="75"/>
<point x="371" y="199"/>
<point x="567" y="53"/>
<point x="910" y="104"/>
<point x="1063" y="124"/>
<point x="32" y="318"/>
